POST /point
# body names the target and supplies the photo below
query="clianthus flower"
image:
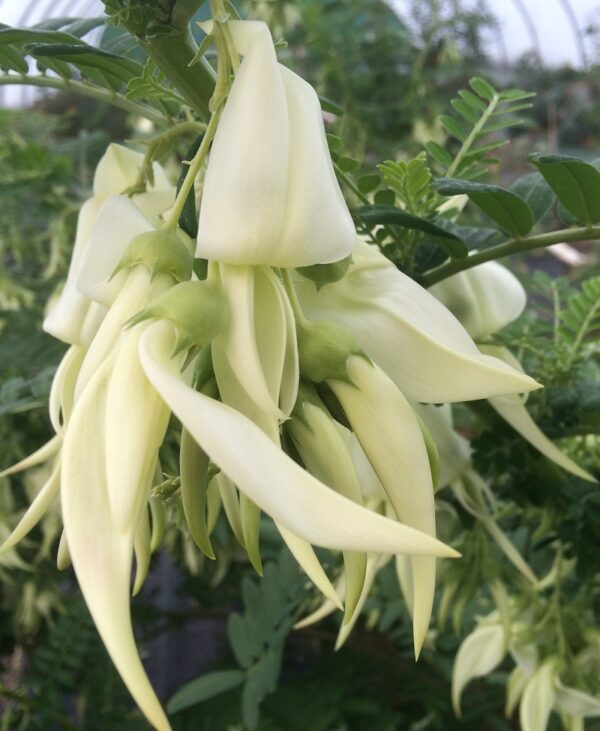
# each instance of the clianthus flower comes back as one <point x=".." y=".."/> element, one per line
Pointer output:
<point x="239" y="359"/>
<point x="485" y="299"/>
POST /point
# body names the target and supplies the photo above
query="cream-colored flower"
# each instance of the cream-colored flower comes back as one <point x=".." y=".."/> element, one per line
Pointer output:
<point x="270" y="194"/>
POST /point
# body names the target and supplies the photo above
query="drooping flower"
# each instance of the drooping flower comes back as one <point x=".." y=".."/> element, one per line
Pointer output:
<point x="73" y="317"/>
<point x="485" y="299"/>
<point x="270" y="194"/>
<point x="418" y="342"/>
<point x="226" y="356"/>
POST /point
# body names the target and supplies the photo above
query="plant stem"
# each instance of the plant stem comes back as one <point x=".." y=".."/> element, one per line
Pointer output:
<point x="512" y="246"/>
<point x="473" y="135"/>
<point x="82" y="87"/>
<point x="195" y="166"/>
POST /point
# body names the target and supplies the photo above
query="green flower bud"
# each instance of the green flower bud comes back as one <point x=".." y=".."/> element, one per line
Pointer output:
<point x="162" y="252"/>
<point x="324" y="348"/>
<point x="198" y="310"/>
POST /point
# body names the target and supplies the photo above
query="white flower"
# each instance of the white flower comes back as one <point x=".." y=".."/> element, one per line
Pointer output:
<point x="408" y="333"/>
<point x="485" y="298"/>
<point x="270" y="194"/>
<point x="72" y="317"/>
<point x="480" y="653"/>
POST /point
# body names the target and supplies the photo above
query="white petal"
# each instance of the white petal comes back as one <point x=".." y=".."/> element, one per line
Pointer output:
<point x="485" y="298"/>
<point x="136" y="420"/>
<point x="408" y="333"/>
<point x="141" y="546"/>
<point x="119" y="168"/>
<point x="454" y="450"/>
<point x="102" y="557"/>
<point x="304" y="554"/>
<point x="245" y="188"/>
<point x="62" y="391"/>
<point x="231" y="505"/>
<point x="258" y="467"/>
<point x="67" y="315"/>
<point x="576" y="702"/>
<point x="513" y="411"/>
<point x="374" y="563"/>
<point x="389" y="433"/>
<point x="43" y="500"/>
<point x="45" y="452"/>
<point x="515" y="686"/>
<point x="233" y="394"/>
<point x="537" y="700"/>
<point x="270" y="194"/>
<point x="134" y="294"/>
<point x="237" y="347"/>
<point x="118" y="222"/>
<point x="325" y="454"/>
<point x="480" y="652"/>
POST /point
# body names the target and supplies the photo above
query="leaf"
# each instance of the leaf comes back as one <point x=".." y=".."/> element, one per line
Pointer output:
<point x="396" y="216"/>
<point x="245" y="647"/>
<point x="536" y="192"/>
<point x="438" y="153"/>
<point x="508" y="209"/>
<point x="368" y="183"/>
<point x="115" y="70"/>
<point x="483" y="88"/>
<point x="205" y="687"/>
<point x="453" y="127"/>
<point x="576" y="184"/>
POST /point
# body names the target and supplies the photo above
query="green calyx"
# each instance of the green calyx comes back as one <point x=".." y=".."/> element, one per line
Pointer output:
<point x="162" y="252"/>
<point x="198" y="310"/>
<point x="322" y="274"/>
<point x="324" y="348"/>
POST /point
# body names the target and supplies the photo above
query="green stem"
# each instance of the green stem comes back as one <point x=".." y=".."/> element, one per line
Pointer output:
<point x="85" y="89"/>
<point x="474" y="134"/>
<point x="173" y="52"/>
<point x="512" y="246"/>
<point x="195" y="166"/>
<point x="349" y="184"/>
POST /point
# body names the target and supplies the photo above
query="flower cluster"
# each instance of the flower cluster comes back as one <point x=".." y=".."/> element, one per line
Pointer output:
<point x="255" y="362"/>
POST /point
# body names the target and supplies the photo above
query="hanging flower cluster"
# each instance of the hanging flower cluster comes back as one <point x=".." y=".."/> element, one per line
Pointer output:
<point x="255" y="363"/>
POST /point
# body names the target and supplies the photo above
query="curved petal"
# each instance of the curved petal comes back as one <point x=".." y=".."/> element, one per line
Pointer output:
<point x="484" y="299"/>
<point x="454" y="450"/>
<point x="119" y="169"/>
<point x="513" y="411"/>
<point x="135" y="422"/>
<point x="62" y="390"/>
<point x="238" y="345"/>
<point x="391" y="437"/>
<point x="118" y="222"/>
<point x="234" y="395"/>
<point x="102" y="557"/>
<point x="268" y="476"/>
<point x="67" y="315"/>
<point x="480" y="652"/>
<point x="576" y="702"/>
<point x="325" y="454"/>
<point x="36" y="510"/>
<point x="408" y="333"/>
<point x="537" y="700"/>
<point x="270" y="194"/>
<point x="40" y="455"/>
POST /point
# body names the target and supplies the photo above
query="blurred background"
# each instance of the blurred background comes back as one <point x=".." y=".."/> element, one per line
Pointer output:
<point x="393" y="67"/>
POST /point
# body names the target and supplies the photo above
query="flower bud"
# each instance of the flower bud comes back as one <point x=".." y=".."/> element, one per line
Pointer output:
<point x="324" y="348"/>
